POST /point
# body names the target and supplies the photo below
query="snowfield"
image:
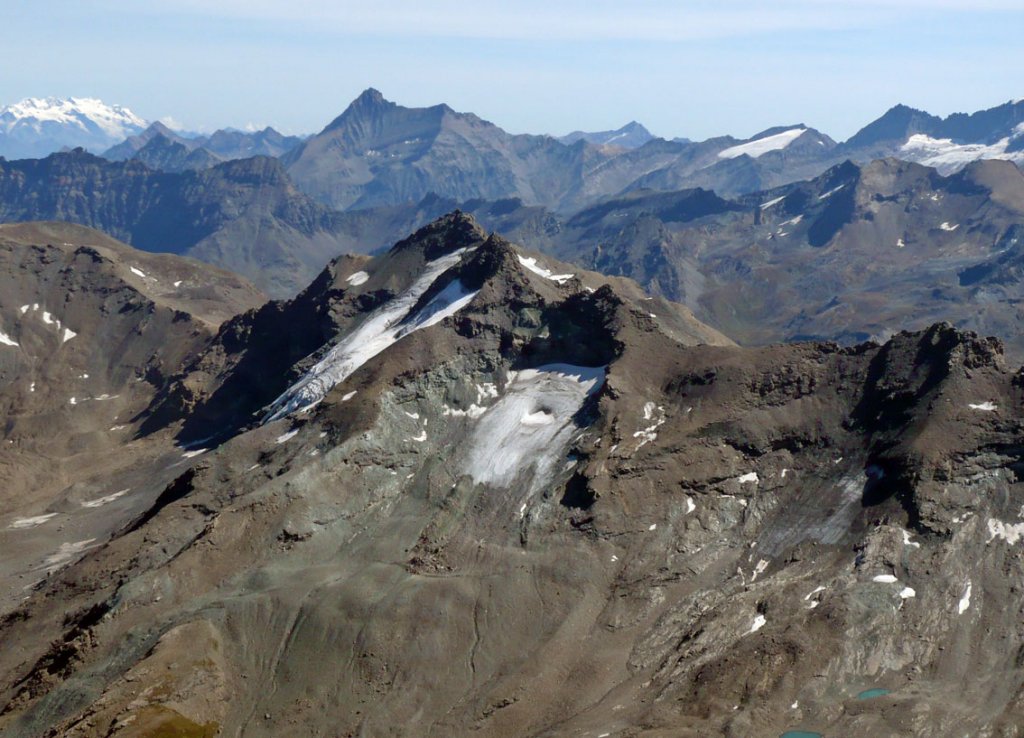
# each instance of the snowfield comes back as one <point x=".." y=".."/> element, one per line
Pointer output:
<point x="528" y="429"/>
<point x="762" y="146"/>
<point x="379" y="330"/>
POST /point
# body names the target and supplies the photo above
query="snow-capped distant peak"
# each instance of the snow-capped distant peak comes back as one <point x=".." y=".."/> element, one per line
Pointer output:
<point x="761" y="146"/>
<point x="113" y="120"/>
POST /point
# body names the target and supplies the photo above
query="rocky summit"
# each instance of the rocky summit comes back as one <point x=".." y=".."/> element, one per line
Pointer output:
<point x="462" y="488"/>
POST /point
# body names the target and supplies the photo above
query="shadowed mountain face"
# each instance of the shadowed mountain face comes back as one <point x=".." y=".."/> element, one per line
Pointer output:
<point x="243" y="215"/>
<point x="588" y="511"/>
<point x="378" y="153"/>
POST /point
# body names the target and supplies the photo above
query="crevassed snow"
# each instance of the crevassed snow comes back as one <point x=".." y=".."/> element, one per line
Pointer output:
<point x="379" y="330"/>
<point x="947" y="156"/>
<point x="101" y="501"/>
<point x="986" y="406"/>
<point x="7" y="340"/>
<point x="531" y="263"/>
<point x="759" y="622"/>
<point x="762" y="146"/>
<point x="32" y="522"/>
<point x="357" y="279"/>
<point x="503" y="446"/>
<point x="965" y="600"/>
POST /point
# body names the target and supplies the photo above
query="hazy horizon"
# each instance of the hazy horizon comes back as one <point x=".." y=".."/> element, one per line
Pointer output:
<point x="696" y="70"/>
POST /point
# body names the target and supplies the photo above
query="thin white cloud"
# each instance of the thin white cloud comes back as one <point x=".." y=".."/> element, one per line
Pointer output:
<point x="662" y="20"/>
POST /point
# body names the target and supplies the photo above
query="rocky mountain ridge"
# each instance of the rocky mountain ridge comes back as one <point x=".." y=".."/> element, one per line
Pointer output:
<point x="562" y="497"/>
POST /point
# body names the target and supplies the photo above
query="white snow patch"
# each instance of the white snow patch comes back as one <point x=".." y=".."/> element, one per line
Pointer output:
<point x="138" y="272"/>
<point x="486" y="390"/>
<point x="759" y="569"/>
<point x="1009" y="532"/>
<point x="965" y="600"/>
<point x="284" y="437"/>
<point x="762" y="146"/>
<point x="419" y="438"/>
<point x="653" y="526"/>
<point x="32" y="387"/>
<point x="348" y="396"/>
<point x="791" y="221"/>
<point x="947" y="227"/>
<point x="22" y="523"/>
<point x="49" y="319"/>
<point x="65" y="553"/>
<point x="72" y="401"/>
<point x="983" y="406"/>
<point x="900" y="243"/>
<point x="770" y="203"/>
<point x="907" y="541"/>
<point x="650" y="433"/>
<point x="885" y="579"/>
<point x="194" y="453"/>
<point x="759" y="622"/>
<point x="814" y="592"/>
<point x="948" y="157"/>
<point x="68" y="335"/>
<point x="24" y="309"/>
<point x="474" y="411"/>
<point x="177" y="284"/>
<point x="748" y="478"/>
<point x="357" y="279"/>
<point x="414" y="416"/>
<point x="530" y="263"/>
<point x="101" y="501"/>
<point x="503" y="447"/>
<point x="784" y="472"/>
<point x="379" y="330"/>
<point x="690" y="506"/>
<point x="7" y="340"/>
<point x="907" y="592"/>
<point x="831" y="192"/>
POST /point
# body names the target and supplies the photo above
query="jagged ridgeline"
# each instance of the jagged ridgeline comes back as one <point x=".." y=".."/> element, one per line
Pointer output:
<point x="465" y="487"/>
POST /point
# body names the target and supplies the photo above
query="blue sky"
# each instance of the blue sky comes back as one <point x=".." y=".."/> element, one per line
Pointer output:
<point x="682" y="68"/>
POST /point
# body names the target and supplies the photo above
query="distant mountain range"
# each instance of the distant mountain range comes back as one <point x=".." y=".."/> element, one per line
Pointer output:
<point x="36" y="127"/>
<point x="631" y="136"/>
<point x="378" y="153"/>
<point x="161" y="148"/>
